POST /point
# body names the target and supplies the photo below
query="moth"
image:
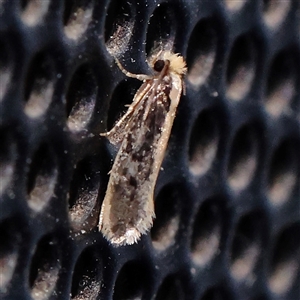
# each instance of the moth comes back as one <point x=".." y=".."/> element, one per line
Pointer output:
<point x="142" y="135"/>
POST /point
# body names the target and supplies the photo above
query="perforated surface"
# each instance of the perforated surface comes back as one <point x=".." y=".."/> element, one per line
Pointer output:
<point x="228" y="198"/>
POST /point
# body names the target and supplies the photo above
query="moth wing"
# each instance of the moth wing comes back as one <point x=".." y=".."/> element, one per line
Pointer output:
<point x="128" y="207"/>
<point x="128" y="210"/>
<point x="174" y="96"/>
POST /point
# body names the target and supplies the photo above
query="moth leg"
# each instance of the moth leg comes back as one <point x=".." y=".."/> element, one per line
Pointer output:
<point x="118" y="128"/>
<point x="120" y="125"/>
<point x="141" y="77"/>
<point x="116" y="134"/>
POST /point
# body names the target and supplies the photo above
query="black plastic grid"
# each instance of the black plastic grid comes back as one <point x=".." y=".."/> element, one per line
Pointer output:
<point x="228" y="198"/>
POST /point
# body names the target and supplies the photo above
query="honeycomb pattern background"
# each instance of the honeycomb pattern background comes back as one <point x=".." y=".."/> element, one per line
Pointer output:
<point x="228" y="197"/>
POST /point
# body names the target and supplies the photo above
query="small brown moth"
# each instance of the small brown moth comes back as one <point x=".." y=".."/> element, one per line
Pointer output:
<point x="142" y="133"/>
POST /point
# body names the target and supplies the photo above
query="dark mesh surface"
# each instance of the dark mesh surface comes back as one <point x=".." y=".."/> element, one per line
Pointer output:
<point x="228" y="197"/>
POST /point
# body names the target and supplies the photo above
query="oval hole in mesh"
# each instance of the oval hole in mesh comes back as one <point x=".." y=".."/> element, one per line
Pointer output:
<point x="207" y="231"/>
<point x="281" y="83"/>
<point x="161" y="29"/>
<point x="45" y="267"/>
<point x="131" y="282"/>
<point x="41" y="178"/>
<point x="33" y="11"/>
<point x="81" y="98"/>
<point x="243" y="157"/>
<point x="247" y="244"/>
<point x="119" y="24"/>
<point x="167" y="211"/>
<point x="241" y="66"/>
<point x="39" y="85"/>
<point x="87" y="275"/>
<point x="83" y="195"/>
<point x="201" y="52"/>
<point x="284" y="260"/>
<point x="204" y="141"/>
<point x="77" y="17"/>
<point x="284" y="171"/>
<point x="275" y="11"/>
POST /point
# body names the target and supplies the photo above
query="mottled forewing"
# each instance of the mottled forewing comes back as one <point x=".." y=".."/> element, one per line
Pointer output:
<point x="128" y="208"/>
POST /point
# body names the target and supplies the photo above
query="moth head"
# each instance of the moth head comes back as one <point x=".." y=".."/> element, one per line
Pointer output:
<point x="177" y="63"/>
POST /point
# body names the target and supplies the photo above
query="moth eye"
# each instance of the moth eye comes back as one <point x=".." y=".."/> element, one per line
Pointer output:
<point x="159" y="65"/>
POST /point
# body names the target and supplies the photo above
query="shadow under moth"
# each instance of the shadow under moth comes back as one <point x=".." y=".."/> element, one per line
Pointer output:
<point x="142" y="135"/>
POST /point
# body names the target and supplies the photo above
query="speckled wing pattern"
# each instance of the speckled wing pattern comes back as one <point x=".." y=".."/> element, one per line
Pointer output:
<point x="128" y="209"/>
